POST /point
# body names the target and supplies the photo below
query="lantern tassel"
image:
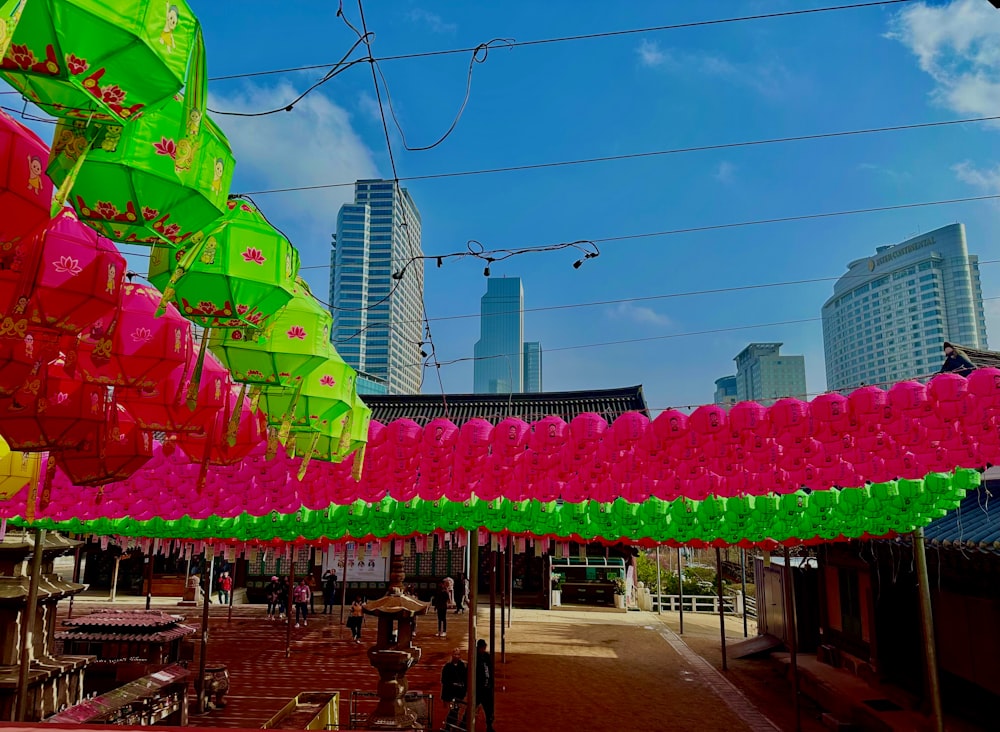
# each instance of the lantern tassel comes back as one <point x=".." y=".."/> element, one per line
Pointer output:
<point x="192" y="393"/>
<point x="255" y="391"/>
<point x="62" y="195"/>
<point x="345" y="435"/>
<point x="192" y="253"/>
<point x="359" y="463"/>
<point x="9" y="24"/>
<point x="286" y="420"/>
<point x="234" y="422"/>
<point x="308" y="456"/>
<point x="272" y="443"/>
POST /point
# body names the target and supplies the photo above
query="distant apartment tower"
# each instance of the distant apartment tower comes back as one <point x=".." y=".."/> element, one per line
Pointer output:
<point x="532" y="367"/>
<point x="725" y="391"/>
<point x="890" y="313"/>
<point x="764" y="375"/>
<point x="504" y="362"/>
<point x="378" y="319"/>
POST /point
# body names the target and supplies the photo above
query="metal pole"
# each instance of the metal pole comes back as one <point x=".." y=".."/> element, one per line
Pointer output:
<point x="473" y="580"/>
<point x="343" y="588"/>
<point x="28" y="627"/>
<point x="288" y="605"/>
<point x="743" y="580"/>
<point x="680" y="586"/>
<point x="722" y="609"/>
<point x="510" y="579"/>
<point x="149" y="577"/>
<point x="659" y="585"/>
<point x="927" y="630"/>
<point x="114" y="576"/>
<point x="502" y="565"/>
<point x="76" y="578"/>
<point x="206" y="573"/>
<point x="232" y="590"/>
<point x="493" y="598"/>
<point x="792" y="639"/>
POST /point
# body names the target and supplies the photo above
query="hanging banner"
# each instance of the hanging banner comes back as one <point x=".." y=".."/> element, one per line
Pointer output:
<point x="371" y="568"/>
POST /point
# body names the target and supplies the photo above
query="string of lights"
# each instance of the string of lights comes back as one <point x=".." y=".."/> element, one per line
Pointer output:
<point x="581" y="37"/>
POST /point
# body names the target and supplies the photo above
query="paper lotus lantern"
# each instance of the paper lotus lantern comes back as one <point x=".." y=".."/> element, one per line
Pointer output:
<point x="293" y="344"/>
<point x="104" y="61"/>
<point x="141" y="349"/>
<point x="17" y="469"/>
<point x="112" y="453"/>
<point x="24" y="347"/>
<point x="151" y="182"/>
<point x="324" y="394"/>
<point x="52" y="411"/>
<point x="219" y="443"/>
<point x="25" y="189"/>
<point x="238" y="275"/>
<point x="69" y="279"/>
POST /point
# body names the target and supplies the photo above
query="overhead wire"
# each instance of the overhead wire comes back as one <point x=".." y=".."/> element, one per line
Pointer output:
<point x="581" y="37"/>
<point x="650" y="153"/>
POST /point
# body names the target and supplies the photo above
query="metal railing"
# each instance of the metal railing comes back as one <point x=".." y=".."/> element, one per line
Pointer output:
<point x="697" y="604"/>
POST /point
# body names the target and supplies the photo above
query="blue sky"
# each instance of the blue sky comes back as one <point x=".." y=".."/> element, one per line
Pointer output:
<point x="835" y="71"/>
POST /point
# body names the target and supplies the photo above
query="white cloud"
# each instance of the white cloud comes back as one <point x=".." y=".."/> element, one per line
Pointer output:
<point x="725" y="172"/>
<point x="984" y="179"/>
<point x="638" y="314"/>
<point x="314" y="144"/>
<point x="958" y="45"/>
<point x="650" y="53"/>
<point x="769" y="78"/>
<point x="433" y="22"/>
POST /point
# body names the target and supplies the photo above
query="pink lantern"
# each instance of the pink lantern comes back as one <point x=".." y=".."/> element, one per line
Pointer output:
<point x="138" y="348"/>
<point x="984" y="384"/>
<point x="588" y="428"/>
<point x="789" y="416"/>
<point x="708" y="420"/>
<point x="549" y="435"/>
<point x="68" y="279"/>
<point x="947" y="392"/>
<point x="164" y="406"/>
<point x="907" y="396"/>
<point x="670" y="425"/>
<point x="629" y="428"/>
<point x="866" y="401"/>
<point x="748" y="417"/>
<point x="217" y="445"/>
<point x="509" y="436"/>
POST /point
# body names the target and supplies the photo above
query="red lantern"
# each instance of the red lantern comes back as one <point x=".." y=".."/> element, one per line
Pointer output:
<point x="164" y="407"/>
<point x="218" y="444"/>
<point x="68" y="279"/>
<point x="23" y="351"/>
<point x="112" y="453"/>
<point x="52" y="411"/>
<point x="25" y="189"/>
<point x="789" y="416"/>
<point x="141" y="349"/>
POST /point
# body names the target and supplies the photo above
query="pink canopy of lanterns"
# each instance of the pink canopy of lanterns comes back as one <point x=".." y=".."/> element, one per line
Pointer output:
<point x="871" y="435"/>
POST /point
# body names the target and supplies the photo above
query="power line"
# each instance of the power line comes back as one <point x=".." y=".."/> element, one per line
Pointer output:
<point x="581" y="37"/>
<point x="650" y="153"/>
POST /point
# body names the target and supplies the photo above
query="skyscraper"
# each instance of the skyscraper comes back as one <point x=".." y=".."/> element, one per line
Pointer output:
<point x="504" y="362"/>
<point x="532" y="367"/>
<point x="764" y="375"/>
<point x="890" y="314"/>
<point x="725" y="391"/>
<point x="377" y="318"/>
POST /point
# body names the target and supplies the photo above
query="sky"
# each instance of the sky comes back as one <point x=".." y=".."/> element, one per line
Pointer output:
<point x="900" y="64"/>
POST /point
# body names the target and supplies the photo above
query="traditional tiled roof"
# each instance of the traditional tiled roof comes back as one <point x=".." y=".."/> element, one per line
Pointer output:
<point x="975" y="524"/>
<point x="981" y="358"/>
<point x="460" y="408"/>
<point x="150" y="635"/>
<point x="146" y="619"/>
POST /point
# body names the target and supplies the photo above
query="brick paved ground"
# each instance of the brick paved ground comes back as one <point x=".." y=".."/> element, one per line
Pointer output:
<point x="565" y="670"/>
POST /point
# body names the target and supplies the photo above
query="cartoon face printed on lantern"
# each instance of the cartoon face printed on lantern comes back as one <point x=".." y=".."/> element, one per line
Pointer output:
<point x="217" y="172"/>
<point x="35" y="174"/>
<point x="169" y="25"/>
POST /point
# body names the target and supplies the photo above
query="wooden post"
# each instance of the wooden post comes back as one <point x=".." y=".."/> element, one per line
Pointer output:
<point x="927" y="630"/>
<point x="288" y="605"/>
<point x="473" y="581"/>
<point x="76" y="578"/>
<point x="510" y="579"/>
<point x="149" y="577"/>
<point x="680" y="586"/>
<point x="343" y="588"/>
<point x="722" y="609"/>
<point x="28" y="628"/>
<point x="206" y="573"/>
<point x="493" y="597"/>
<point x="793" y="641"/>
<point x="502" y="565"/>
<point x="659" y="585"/>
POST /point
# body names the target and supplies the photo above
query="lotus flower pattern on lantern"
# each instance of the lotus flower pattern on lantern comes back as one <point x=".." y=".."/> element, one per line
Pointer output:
<point x="327" y="380"/>
<point x="297" y="331"/>
<point x="165" y="147"/>
<point x="254" y="256"/>
<point x="67" y="265"/>
<point x="75" y="64"/>
<point x="142" y="335"/>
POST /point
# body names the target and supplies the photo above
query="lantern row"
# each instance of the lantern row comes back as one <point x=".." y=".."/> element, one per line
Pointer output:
<point x="879" y="509"/>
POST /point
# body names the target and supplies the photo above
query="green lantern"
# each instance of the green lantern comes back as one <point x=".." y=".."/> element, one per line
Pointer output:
<point x="239" y="273"/>
<point x="294" y="343"/>
<point x="147" y="182"/>
<point x="94" y="59"/>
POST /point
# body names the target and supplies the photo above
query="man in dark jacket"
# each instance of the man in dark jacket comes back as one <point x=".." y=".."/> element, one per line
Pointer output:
<point x="453" y="678"/>
<point x="955" y="361"/>
<point x="484" y="683"/>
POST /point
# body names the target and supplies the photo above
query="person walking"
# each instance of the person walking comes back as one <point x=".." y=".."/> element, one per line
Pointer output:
<point x="301" y="596"/>
<point x="460" y="588"/>
<point x="311" y="582"/>
<point x="273" y="594"/>
<point x="484" y="683"/>
<point x="453" y="678"/>
<point x="329" y="591"/>
<point x="225" y="588"/>
<point x="440" y="603"/>
<point x="356" y="618"/>
<point x="283" y="608"/>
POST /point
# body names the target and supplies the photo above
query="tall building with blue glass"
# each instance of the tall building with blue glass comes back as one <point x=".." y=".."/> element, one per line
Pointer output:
<point x="891" y="313"/>
<point x="377" y="318"/>
<point x="504" y="363"/>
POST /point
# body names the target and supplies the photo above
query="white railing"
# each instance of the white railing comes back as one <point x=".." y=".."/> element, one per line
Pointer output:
<point x="732" y="604"/>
